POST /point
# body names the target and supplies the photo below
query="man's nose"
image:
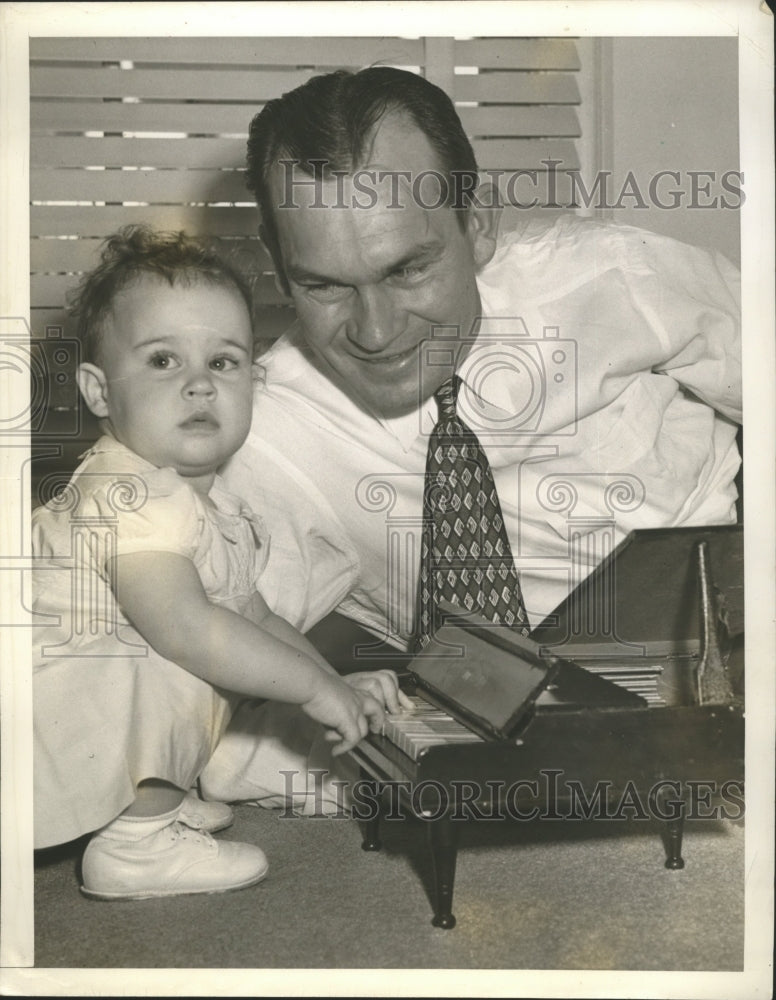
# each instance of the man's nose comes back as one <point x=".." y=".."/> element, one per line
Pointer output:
<point x="199" y="383"/>
<point x="377" y="320"/>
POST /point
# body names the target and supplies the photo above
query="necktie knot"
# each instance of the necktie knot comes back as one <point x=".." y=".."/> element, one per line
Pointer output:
<point x="446" y="396"/>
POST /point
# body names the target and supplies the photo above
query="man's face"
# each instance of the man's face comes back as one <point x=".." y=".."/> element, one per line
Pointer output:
<point x="370" y="284"/>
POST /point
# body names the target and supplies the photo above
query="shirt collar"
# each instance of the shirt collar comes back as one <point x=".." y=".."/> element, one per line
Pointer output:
<point x="225" y="501"/>
<point x="107" y="443"/>
<point x="487" y="397"/>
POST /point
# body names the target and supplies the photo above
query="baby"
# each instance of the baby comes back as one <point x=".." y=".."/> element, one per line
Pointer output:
<point x="157" y="565"/>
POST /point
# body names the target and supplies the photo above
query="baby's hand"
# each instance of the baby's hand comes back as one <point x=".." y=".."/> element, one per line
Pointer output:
<point x="383" y="686"/>
<point x="348" y="713"/>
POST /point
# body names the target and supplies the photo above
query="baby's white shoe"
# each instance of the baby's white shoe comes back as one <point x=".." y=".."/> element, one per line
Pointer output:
<point x="141" y="857"/>
<point x="208" y="816"/>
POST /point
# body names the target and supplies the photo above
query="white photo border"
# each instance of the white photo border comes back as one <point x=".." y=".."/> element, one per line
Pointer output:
<point x="752" y="24"/>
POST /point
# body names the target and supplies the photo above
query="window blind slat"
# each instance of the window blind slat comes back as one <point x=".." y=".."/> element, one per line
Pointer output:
<point x="50" y="290"/>
<point x="166" y="84"/>
<point x="312" y="51"/>
<point x="520" y="120"/>
<point x="270" y="321"/>
<point x="55" y="255"/>
<point x="78" y="151"/>
<point x="275" y="317"/>
<point x="166" y="186"/>
<point x="518" y="88"/>
<point x="208" y="186"/>
<point x="520" y="53"/>
<point x="77" y="220"/>
<point x="524" y="154"/>
<point x="114" y="116"/>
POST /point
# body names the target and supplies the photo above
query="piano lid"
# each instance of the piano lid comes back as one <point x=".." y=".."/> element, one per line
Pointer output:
<point x="643" y="598"/>
<point x="488" y="676"/>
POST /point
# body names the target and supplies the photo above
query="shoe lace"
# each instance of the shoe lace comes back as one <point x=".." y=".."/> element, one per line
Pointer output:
<point x="195" y="821"/>
<point x="182" y="831"/>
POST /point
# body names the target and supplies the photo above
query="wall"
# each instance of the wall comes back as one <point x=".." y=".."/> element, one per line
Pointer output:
<point x="673" y="105"/>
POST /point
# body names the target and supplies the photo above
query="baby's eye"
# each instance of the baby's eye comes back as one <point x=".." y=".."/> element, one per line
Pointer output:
<point x="223" y="363"/>
<point x="162" y="361"/>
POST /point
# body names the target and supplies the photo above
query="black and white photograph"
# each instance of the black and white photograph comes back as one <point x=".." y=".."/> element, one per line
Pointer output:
<point x="388" y="587"/>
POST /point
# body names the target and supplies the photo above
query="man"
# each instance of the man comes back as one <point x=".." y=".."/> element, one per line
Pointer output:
<point x="599" y="365"/>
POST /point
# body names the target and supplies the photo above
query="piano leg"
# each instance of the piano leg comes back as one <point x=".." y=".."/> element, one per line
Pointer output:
<point x="370" y="828"/>
<point x="674" y="830"/>
<point x="443" y="836"/>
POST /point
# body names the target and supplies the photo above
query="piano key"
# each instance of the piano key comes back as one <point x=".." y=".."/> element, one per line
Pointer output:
<point x="413" y="731"/>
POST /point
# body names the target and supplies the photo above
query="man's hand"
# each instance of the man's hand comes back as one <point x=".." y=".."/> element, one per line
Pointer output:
<point x="383" y="686"/>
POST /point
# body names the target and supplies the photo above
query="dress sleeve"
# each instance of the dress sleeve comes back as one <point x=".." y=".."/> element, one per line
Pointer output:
<point x="155" y="512"/>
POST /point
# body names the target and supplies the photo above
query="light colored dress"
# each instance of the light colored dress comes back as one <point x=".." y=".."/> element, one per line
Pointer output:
<point x="108" y="710"/>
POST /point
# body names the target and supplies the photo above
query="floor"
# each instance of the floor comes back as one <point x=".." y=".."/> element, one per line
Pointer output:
<point x="574" y="895"/>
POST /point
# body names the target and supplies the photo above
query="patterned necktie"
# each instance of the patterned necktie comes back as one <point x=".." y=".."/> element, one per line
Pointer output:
<point x="465" y="558"/>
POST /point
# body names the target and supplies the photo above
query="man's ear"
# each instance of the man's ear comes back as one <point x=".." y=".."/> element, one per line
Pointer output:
<point x="281" y="282"/>
<point x="94" y="388"/>
<point x="483" y="221"/>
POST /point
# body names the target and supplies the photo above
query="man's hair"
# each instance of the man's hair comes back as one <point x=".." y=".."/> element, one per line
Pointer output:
<point x="332" y="118"/>
<point x="134" y="252"/>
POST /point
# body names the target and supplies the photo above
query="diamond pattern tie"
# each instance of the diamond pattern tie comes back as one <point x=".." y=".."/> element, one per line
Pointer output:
<point x="466" y="558"/>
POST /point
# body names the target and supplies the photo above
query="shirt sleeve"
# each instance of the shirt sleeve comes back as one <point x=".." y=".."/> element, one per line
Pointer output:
<point x="155" y="512"/>
<point x="311" y="564"/>
<point x="690" y="298"/>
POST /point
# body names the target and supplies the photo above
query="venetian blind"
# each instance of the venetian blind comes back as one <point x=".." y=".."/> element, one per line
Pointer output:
<point x="153" y="129"/>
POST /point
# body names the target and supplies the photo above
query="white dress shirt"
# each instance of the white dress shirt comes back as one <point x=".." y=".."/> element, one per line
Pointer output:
<point x="604" y="385"/>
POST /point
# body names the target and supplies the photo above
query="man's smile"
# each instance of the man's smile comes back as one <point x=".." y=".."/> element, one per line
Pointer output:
<point x="389" y="359"/>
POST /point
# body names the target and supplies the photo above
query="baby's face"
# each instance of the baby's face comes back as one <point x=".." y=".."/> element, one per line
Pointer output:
<point x="178" y="374"/>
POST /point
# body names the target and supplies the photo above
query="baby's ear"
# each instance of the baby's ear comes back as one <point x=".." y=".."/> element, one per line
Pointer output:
<point x="94" y="388"/>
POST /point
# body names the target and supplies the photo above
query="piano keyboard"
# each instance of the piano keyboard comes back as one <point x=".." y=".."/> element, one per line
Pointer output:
<point x="425" y="726"/>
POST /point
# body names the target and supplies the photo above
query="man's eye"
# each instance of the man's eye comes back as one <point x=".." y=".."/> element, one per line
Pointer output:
<point x="224" y="364"/>
<point x="326" y="291"/>
<point x="411" y="272"/>
<point x="162" y="361"/>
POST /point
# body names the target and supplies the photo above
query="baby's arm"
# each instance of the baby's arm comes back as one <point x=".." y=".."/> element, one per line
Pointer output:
<point x="162" y="596"/>
<point x="382" y="685"/>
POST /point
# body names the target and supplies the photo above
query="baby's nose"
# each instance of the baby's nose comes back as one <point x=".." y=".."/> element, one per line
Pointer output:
<point x="200" y="384"/>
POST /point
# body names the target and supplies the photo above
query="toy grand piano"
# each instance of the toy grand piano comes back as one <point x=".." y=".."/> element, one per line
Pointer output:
<point x="635" y="699"/>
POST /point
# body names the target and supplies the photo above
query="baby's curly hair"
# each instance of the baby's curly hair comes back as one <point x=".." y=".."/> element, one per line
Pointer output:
<point x="139" y="250"/>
